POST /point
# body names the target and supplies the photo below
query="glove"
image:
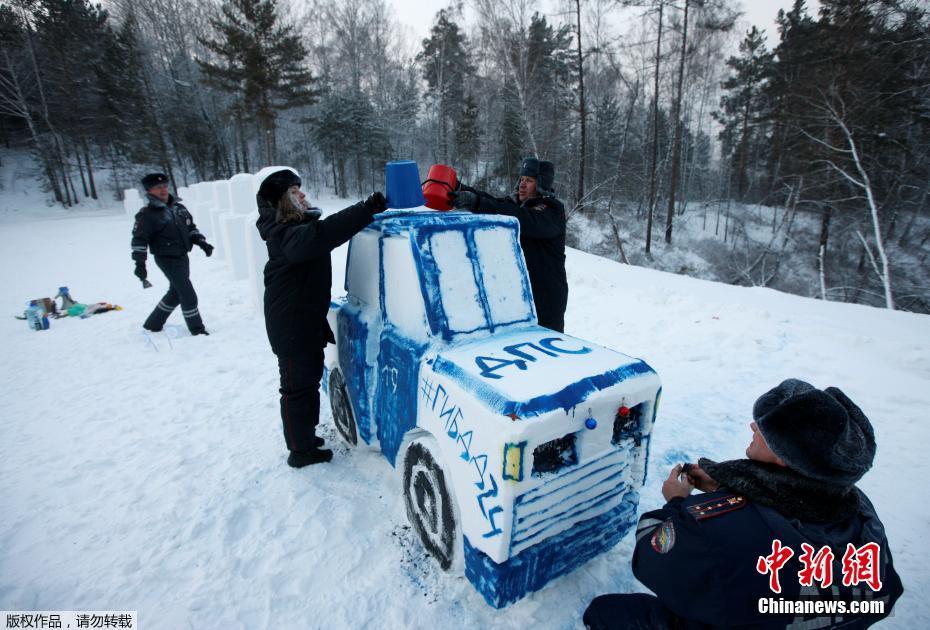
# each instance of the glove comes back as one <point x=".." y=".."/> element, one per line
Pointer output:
<point x="376" y="203"/>
<point x="464" y="200"/>
<point x="140" y="271"/>
<point x="206" y="247"/>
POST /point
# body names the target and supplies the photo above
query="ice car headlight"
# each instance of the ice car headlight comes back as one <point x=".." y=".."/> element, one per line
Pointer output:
<point x="513" y="460"/>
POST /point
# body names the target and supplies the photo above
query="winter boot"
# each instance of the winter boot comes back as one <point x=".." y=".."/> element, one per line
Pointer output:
<point x="299" y="459"/>
<point x="151" y="327"/>
<point x="202" y="331"/>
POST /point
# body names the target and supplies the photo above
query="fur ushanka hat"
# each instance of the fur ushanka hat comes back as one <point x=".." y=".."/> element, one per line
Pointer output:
<point x="821" y="434"/>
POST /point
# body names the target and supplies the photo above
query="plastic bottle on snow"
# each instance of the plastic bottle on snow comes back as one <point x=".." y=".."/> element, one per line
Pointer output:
<point x="34" y="315"/>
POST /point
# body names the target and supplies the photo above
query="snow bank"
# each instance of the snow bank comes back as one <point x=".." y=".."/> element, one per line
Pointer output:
<point x="148" y="473"/>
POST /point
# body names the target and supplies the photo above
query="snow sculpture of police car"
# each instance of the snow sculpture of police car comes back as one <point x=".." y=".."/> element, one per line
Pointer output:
<point x="521" y="449"/>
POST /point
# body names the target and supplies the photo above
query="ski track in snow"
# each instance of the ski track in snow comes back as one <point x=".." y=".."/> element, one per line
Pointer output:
<point x="148" y="473"/>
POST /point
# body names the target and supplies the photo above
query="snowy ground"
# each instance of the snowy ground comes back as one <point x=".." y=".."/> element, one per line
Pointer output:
<point x="153" y="478"/>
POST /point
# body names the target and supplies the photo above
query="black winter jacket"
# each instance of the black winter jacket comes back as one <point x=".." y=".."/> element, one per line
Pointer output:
<point x="298" y="275"/>
<point x="542" y="237"/>
<point x="699" y="556"/>
<point x="167" y="229"/>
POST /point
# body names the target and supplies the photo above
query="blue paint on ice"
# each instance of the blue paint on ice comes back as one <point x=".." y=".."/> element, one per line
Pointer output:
<point x="530" y="570"/>
<point x="353" y="336"/>
<point x="396" y="398"/>
<point x="566" y="398"/>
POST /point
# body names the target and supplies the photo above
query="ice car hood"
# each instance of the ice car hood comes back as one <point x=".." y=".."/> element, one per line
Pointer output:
<point x="534" y="370"/>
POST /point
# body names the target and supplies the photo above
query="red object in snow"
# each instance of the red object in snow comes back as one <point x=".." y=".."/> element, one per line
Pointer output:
<point x="623" y="411"/>
<point x="440" y="181"/>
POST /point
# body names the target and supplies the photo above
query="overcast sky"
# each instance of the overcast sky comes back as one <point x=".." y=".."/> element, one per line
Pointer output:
<point x="418" y="14"/>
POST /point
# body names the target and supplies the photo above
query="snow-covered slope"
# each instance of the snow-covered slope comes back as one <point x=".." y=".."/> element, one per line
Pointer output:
<point x="150" y="475"/>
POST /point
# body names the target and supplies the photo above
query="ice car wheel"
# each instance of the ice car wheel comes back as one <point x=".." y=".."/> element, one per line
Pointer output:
<point x="430" y="506"/>
<point x="342" y="409"/>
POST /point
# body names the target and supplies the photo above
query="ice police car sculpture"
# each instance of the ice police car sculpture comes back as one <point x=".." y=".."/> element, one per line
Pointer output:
<point x="521" y="449"/>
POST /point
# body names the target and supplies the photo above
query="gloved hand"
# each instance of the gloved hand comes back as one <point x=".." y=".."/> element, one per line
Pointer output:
<point x="140" y="271"/>
<point x="464" y="200"/>
<point x="376" y="203"/>
<point x="206" y="247"/>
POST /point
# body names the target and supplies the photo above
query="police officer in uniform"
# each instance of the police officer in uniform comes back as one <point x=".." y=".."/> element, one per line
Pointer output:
<point x="165" y="227"/>
<point x="707" y="557"/>
<point x="542" y="234"/>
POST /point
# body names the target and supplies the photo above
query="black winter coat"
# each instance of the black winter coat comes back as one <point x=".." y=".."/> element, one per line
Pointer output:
<point x="542" y="237"/>
<point x="167" y="229"/>
<point x="298" y="275"/>
<point x="699" y="555"/>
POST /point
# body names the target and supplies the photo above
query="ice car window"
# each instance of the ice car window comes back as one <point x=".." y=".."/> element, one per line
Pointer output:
<point x="502" y="276"/>
<point x="361" y="282"/>
<point x="403" y="300"/>
<point x="457" y="287"/>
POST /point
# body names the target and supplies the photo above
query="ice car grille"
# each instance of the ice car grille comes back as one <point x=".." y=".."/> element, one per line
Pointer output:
<point x="629" y="426"/>
<point x="562" y="501"/>
<point x="554" y="455"/>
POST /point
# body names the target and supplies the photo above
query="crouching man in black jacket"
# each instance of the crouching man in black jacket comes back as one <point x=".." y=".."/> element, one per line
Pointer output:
<point x="542" y="234"/>
<point x="166" y="228"/>
<point x="783" y="539"/>
<point x="298" y="277"/>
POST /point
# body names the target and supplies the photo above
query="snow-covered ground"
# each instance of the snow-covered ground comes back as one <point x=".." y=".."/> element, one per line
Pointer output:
<point x="150" y="475"/>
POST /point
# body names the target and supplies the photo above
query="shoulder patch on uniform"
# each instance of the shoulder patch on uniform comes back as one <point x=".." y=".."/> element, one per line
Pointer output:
<point x="716" y="507"/>
<point x="664" y="537"/>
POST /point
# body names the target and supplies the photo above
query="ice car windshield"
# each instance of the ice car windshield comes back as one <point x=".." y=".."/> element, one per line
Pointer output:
<point x="481" y="280"/>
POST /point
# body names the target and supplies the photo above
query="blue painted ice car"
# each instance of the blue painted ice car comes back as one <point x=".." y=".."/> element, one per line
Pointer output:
<point x="520" y="449"/>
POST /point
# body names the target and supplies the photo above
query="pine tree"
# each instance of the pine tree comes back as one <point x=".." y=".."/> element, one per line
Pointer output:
<point x="445" y="63"/>
<point x="744" y="107"/>
<point x="261" y="61"/>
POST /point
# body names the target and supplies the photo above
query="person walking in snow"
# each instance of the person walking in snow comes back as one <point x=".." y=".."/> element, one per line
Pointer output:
<point x="298" y="278"/>
<point x="542" y="234"/>
<point x="711" y="558"/>
<point x="167" y="228"/>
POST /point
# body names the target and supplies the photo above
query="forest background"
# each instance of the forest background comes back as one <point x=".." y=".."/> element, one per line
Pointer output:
<point x="682" y="141"/>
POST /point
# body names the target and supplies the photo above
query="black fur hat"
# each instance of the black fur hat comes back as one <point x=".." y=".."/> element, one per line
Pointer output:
<point x="276" y="184"/>
<point x="546" y="176"/>
<point x="821" y="434"/>
<point x="530" y="168"/>
<point x="540" y="170"/>
<point x="154" y="179"/>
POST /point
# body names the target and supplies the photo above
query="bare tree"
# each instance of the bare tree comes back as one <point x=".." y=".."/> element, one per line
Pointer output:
<point x="849" y="164"/>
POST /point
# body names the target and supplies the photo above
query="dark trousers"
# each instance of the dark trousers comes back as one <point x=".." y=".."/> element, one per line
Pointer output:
<point x="180" y="291"/>
<point x="630" y="611"/>
<point x="300" y="398"/>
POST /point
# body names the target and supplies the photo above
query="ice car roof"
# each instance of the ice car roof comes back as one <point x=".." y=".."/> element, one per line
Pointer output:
<point x="500" y="295"/>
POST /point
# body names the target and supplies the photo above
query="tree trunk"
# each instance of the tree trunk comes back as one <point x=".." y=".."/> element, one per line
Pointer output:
<point x="676" y="147"/>
<point x="581" y="107"/>
<point x="90" y="170"/>
<point x="80" y="166"/>
<point x="655" y="135"/>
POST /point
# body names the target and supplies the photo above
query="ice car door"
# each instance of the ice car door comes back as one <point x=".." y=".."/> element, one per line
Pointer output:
<point x="359" y="320"/>
<point x="403" y="342"/>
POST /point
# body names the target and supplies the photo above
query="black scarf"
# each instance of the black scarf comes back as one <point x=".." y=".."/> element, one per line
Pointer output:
<point x="784" y="490"/>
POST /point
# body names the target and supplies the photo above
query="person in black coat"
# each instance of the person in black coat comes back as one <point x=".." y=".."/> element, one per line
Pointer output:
<point x="298" y="278"/>
<point x="711" y="558"/>
<point x="167" y="228"/>
<point x="542" y="234"/>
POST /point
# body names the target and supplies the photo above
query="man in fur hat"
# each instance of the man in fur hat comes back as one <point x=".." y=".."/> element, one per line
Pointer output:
<point x="712" y="558"/>
<point x="167" y="228"/>
<point x="542" y="234"/>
